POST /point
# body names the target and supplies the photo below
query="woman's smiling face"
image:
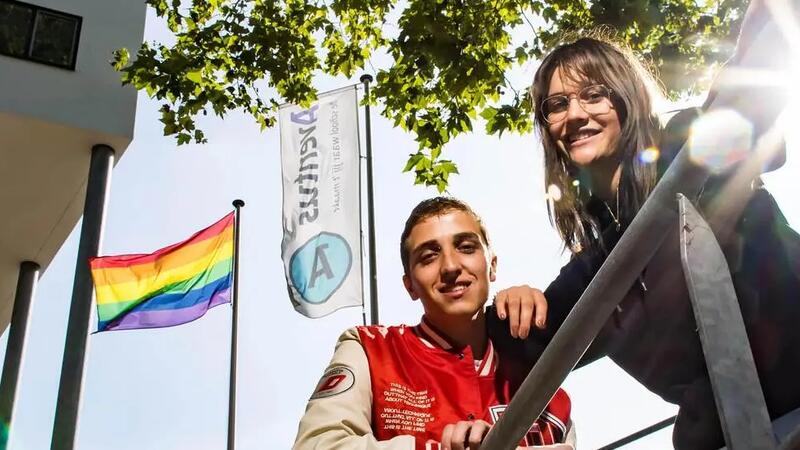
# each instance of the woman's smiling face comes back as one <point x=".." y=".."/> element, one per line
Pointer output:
<point x="586" y="138"/>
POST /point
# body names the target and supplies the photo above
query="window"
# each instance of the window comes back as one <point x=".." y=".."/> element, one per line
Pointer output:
<point x="39" y="34"/>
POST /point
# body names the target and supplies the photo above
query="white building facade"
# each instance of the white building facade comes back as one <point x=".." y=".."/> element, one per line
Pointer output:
<point x="59" y="97"/>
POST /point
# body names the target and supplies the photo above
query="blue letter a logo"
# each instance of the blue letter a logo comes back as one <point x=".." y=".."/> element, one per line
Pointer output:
<point x="320" y="266"/>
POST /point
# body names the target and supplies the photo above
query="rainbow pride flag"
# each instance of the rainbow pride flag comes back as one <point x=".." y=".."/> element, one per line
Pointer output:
<point x="171" y="286"/>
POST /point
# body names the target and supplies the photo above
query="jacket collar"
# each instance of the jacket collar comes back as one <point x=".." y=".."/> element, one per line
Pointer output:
<point x="431" y="337"/>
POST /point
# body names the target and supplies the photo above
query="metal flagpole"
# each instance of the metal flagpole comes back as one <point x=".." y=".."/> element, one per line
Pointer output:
<point x="373" y="273"/>
<point x="360" y="216"/>
<point x="70" y="385"/>
<point x="238" y="204"/>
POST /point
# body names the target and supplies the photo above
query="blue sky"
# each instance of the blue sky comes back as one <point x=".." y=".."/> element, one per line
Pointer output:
<point x="167" y="388"/>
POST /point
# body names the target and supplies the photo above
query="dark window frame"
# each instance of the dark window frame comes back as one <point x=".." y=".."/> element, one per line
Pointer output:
<point x="29" y="38"/>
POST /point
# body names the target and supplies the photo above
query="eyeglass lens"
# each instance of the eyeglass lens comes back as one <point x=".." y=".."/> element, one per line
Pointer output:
<point x="593" y="99"/>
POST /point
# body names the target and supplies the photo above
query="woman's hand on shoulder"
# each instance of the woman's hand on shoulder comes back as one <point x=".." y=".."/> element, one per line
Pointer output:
<point x="524" y="306"/>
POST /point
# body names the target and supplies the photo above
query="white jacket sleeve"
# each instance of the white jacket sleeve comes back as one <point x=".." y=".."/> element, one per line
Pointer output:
<point x="339" y="414"/>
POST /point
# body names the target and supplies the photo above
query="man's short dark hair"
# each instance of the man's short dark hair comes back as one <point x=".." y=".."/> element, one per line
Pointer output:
<point x="431" y="207"/>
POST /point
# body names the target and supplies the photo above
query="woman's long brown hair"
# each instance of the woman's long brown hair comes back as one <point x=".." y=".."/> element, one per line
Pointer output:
<point x="597" y="61"/>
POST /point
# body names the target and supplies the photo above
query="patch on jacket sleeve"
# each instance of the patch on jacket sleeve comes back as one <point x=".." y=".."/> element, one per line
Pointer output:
<point x="334" y="381"/>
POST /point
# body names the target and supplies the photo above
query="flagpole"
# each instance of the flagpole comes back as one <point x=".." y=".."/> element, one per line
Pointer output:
<point x="360" y="216"/>
<point x="373" y="273"/>
<point x="238" y="204"/>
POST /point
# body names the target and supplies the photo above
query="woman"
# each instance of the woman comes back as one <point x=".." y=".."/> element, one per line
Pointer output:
<point x="594" y="113"/>
<point x="594" y="146"/>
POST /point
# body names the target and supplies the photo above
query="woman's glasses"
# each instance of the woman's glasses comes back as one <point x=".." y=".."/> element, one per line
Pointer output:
<point x="594" y="99"/>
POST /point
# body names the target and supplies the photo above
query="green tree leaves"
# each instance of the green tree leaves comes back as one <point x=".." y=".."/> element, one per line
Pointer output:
<point x="449" y="57"/>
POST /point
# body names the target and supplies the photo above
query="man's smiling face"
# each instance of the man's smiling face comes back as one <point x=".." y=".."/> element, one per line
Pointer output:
<point x="449" y="266"/>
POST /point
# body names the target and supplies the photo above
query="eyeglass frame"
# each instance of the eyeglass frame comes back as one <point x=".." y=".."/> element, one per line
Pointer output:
<point x="576" y="95"/>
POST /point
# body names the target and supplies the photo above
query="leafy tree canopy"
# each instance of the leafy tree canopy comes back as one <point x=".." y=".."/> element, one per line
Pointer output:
<point x="450" y="58"/>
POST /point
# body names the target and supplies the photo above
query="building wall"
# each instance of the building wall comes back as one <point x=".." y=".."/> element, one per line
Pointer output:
<point x="90" y="97"/>
<point x="49" y="120"/>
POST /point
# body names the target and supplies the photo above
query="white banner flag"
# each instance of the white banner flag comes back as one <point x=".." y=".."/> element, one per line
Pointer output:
<point x="321" y="246"/>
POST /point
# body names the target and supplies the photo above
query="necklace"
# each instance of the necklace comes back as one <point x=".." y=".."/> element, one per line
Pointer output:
<point x="614" y="217"/>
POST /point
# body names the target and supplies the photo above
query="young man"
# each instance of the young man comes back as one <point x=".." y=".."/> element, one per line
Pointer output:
<point x="438" y="384"/>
